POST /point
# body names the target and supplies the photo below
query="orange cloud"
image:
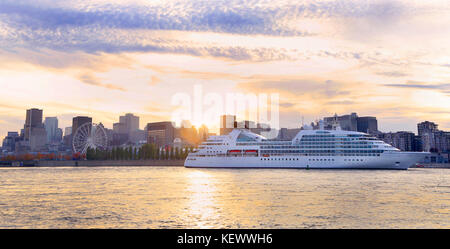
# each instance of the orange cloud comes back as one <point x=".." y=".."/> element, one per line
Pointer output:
<point x="90" y="79"/>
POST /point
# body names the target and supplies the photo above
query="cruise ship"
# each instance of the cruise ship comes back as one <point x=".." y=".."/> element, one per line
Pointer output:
<point x="310" y="149"/>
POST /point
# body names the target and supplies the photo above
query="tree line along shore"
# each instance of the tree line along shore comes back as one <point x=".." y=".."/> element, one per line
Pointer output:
<point x="145" y="152"/>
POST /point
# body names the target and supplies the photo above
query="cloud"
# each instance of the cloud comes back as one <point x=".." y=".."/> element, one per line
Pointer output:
<point x="445" y="87"/>
<point x="298" y="87"/>
<point x="62" y="60"/>
<point x="93" y="40"/>
<point x="287" y="104"/>
<point x="220" y="16"/>
<point x="392" y="74"/>
<point x="90" y="79"/>
<point x="341" y="102"/>
<point x="154" y="80"/>
<point x="116" y="28"/>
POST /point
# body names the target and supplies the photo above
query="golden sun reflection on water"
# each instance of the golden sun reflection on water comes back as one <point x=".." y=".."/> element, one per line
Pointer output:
<point x="201" y="206"/>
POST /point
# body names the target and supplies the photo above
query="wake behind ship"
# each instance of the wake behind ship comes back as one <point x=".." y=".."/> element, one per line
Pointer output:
<point x="314" y="149"/>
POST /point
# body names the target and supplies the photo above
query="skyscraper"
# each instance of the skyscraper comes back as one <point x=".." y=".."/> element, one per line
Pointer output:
<point x="9" y="142"/>
<point x="33" y="119"/>
<point x="76" y="123"/>
<point x="51" y="127"/>
<point x="346" y="122"/>
<point x="131" y="122"/>
<point x="353" y="123"/>
<point x="367" y="124"/>
<point x="79" y="121"/>
<point x="161" y="133"/>
<point x="120" y="133"/>
<point x="203" y="132"/>
<point x="402" y="140"/>
<point x="227" y="124"/>
<point x="426" y="127"/>
<point x="67" y="131"/>
<point x="433" y="139"/>
<point x="35" y="134"/>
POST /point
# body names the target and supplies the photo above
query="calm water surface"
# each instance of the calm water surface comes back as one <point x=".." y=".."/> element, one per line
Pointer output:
<point x="176" y="197"/>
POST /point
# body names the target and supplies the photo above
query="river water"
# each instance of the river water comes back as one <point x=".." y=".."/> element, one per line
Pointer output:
<point x="177" y="197"/>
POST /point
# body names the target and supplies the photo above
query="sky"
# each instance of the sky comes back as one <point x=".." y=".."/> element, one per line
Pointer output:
<point x="388" y="59"/>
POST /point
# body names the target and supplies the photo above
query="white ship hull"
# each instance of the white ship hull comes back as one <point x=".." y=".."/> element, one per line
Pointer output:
<point x="389" y="160"/>
<point x="313" y="149"/>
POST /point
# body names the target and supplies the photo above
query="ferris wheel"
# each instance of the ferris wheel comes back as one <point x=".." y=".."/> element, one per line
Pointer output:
<point x="89" y="135"/>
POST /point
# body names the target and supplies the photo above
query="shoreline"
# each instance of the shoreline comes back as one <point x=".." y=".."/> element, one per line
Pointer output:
<point x="99" y="163"/>
<point x="433" y="166"/>
<point x="144" y="163"/>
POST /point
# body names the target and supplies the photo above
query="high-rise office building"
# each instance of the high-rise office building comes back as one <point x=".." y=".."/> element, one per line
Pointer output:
<point x="127" y="130"/>
<point x="188" y="135"/>
<point x="67" y="138"/>
<point x="402" y="140"/>
<point x="58" y="135"/>
<point x="51" y="127"/>
<point x="161" y="133"/>
<point x="9" y="142"/>
<point x="352" y="122"/>
<point x="79" y="121"/>
<point x="33" y="119"/>
<point x="346" y="122"/>
<point x="227" y="124"/>
<point x="76" y="123"/>
<point x="120" y="134"/>
<point x="67" y="131"/>
<point x="131" y="122"/>
<point x="35" y="134"/>
<point x="367" y="124"/>
<point x="433" y="139"/>
<point x="288" y="134"/>
<point x="203" y="132"/>
<point x="442" y="141"/>
<point x="254" y="127"/>
<point x="425" y="127"/>
<point x="120" y="128"/>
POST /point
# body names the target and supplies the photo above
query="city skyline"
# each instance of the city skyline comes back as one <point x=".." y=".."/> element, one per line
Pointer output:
<point x="387" y="59"/>
<point x="124" y="119"/>
<point x="121" y="117"/>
